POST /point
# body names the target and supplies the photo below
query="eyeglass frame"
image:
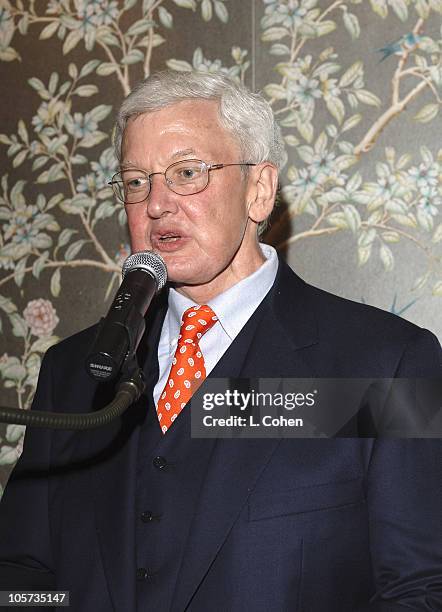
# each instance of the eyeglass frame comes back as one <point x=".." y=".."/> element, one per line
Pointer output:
<point x="209" y="167"/>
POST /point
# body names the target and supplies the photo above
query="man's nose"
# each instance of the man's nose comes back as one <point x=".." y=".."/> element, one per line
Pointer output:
<point x="161" y="200"/>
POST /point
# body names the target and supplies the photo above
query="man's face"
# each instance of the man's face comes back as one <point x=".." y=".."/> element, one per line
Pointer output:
<point x="206" y="239"/>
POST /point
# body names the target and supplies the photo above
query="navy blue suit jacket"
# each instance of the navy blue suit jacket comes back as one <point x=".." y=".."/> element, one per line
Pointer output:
<point x="337" y="525"/>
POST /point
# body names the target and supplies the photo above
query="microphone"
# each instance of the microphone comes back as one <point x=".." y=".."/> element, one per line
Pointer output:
<point x="120" y="332"/>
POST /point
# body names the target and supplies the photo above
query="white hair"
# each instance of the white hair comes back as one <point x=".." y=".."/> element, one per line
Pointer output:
<point x="247" y="116"/>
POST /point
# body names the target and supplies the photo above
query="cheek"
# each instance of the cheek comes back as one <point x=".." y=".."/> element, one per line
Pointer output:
<point x="137" y="222"/>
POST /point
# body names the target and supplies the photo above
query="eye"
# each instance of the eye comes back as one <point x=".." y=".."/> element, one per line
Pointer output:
<point x="135" y="183"/>
<point x="187" y="173"/>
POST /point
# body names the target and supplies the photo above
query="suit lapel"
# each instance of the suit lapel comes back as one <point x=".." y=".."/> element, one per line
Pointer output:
<point x="115" y="477"/>
<point x="270" y="345"/>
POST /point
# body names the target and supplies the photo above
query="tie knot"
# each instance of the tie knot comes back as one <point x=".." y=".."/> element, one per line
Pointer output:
<point x="195" y="322"/>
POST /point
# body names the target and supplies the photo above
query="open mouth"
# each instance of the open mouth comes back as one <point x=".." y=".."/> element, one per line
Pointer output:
<point x="169" y="238"/>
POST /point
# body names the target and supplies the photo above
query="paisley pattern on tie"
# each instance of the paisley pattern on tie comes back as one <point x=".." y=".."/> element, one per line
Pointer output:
<point x="188" y="370"/>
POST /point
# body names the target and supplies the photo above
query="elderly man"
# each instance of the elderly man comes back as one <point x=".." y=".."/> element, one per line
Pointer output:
<point x="140" y="516"/>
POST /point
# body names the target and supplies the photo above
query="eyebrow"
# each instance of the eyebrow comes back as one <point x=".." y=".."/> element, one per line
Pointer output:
<point x="177" y="155"/>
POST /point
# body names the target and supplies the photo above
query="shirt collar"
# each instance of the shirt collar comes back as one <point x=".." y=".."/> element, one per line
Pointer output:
<point x="235" y="306"/>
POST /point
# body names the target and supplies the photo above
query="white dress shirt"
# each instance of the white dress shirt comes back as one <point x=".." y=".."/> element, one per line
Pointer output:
<point x="233" y="308"/>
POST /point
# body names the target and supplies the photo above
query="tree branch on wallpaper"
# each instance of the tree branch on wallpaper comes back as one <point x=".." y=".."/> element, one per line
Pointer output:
<point x="58" y="221"/>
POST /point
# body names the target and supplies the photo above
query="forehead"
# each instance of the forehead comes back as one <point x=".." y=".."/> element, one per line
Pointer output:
<point x="190" y="127"/>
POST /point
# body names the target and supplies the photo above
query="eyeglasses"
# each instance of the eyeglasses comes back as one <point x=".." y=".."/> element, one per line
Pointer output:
<point x="186" y="177"/>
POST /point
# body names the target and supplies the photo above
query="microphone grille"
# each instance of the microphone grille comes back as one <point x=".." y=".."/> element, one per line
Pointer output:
<point x="149" y="261"/>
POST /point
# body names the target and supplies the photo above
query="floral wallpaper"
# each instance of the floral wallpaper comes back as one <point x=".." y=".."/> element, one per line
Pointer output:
<point x="356" y="86"/>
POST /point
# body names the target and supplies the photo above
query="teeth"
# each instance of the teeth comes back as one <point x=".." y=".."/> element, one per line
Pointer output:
<point x="169" y="238"/>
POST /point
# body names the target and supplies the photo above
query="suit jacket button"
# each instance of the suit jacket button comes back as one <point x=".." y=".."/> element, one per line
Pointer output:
<point x="147" y="516"/>
<point x="159" y="462"/>
<point x="142" y="573"/>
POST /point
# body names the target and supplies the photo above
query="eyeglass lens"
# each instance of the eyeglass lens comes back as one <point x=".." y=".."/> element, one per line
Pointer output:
<point x="184" y="178"/>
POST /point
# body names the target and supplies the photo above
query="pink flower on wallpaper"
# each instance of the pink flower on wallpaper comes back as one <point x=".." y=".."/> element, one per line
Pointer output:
<point x="41" y="317"/>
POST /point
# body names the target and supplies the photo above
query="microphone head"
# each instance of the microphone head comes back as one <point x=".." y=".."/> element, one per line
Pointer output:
<point x="149" y="262"/>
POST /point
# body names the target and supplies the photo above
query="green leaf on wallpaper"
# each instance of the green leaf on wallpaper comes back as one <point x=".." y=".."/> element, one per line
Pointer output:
<point x="73" y="249"/>
<point x="291" y="140"/>
<point x="43" y="344"/>
<point x="23" y="26"/>
<point x="206" y="10"/>
<point x="64" y="236"/>
<point x="390" y="236"/>
<point x="305" y="128"/>
<point x="22" y="131"/>
<point x="73" y="71"/>
<point x="279" y="49"/>
<point x="275" y="33"/>
<point x="5" y="139"/>
<point x="408" y="220"/>
<point x="221" y="11"/>
<point x="140" y="27"/>
<point x="55" y="173"/>
<point x="134" y="56"/>
<point x="105" y="209"/>
<point x="81" y="201"/>
<point x="273" y="90"/>
<point x="351" y="122"/>
<point x="89" y="67"/>
<point x="425" y="219"/>
<point x="351" y="74"/>
<point x="427" y="113"/>
<point x="105" y="36"/>
<point x="324" y="27"/>
<point x="78" y="159"/>
<point x="338" y="219"/>
<point x="367" y="97"/>
<point x="56" y="283"/>
<point x="128" y="4"/>
<point x="422" y="8"/>
<point x="386" y="256"/>
<point x="39" y="264"/>
<point x="352" y="216"/>
<point x="187" y="4"/>
<point x="91" y="140"/>
<point x="19" y="326"/>
<point x="352" y="26"/>
<point x="165" y="17"/>
<point x="7" y="305"/>
<point x="39" y="162"/>
<point x="178" y="65"/>
<point x="9" y="55"/>
<point x="84" y="91"/>
<point x="437" y="289"/>
<point x="39" y="88"/>
<point x="400" y="8"/>
<point x="336" y="108"/>
<point x="100" y="112"/>
<point x="380" y="7"/>
<point x="106" y="68"/>
<point x="19" y="271"/>
<point x="71" y="41"/>
<point x="19" y="159"/>
<point x="437" y="236"/>
<point x="367" y="237"/>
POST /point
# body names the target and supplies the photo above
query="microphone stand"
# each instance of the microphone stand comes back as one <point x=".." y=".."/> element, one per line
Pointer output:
<point x="129" y="389"/>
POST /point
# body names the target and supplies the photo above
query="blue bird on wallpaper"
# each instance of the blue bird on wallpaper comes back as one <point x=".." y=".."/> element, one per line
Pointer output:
<point x="404" y="43"/>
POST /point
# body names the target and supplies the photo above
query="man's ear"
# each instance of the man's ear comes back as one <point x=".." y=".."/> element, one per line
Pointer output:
<point x="263" y="184"/>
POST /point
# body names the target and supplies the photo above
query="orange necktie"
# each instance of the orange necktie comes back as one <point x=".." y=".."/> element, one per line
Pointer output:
<point x="188" y="370"/>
